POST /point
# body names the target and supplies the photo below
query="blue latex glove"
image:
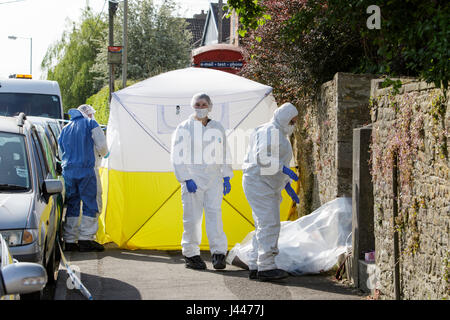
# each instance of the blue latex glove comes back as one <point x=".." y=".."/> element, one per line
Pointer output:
<point x="291" y="193"/>
<point x="191" y="186"/>
<point x="290" y="173"/>
<point x="226" y="186"/>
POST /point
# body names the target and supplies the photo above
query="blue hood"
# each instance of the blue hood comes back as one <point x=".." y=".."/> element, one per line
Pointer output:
<point x="76" y="142"/>
<point x="74" y="113"/>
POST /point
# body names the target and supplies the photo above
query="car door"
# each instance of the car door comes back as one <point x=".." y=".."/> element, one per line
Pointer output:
<point x="45" y="209"/>
<point x="50" y="156"/>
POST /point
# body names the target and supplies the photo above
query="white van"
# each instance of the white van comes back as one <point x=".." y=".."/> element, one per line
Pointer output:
<point x="41" y="98"/>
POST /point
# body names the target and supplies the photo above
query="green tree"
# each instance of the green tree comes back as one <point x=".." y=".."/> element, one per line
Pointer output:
<point x="158" y="41"/>
<point x="69" y="61"/>
<point x="296" y="45"/>
<point x="413" y="39"/>
<point x="100" y="101"/>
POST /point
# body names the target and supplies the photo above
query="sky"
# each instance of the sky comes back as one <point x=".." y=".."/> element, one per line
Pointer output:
<point x="44" y="22"/>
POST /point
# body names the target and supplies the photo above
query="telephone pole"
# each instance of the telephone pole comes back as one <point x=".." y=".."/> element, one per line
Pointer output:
<point x="125" y="44"/>
<point x="112" y="11"/>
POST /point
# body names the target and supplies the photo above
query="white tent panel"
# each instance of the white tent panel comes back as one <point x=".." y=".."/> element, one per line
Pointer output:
<point x="144" y="116"/>
<point x="132" y="148"/>
<point x="176" y="86"/>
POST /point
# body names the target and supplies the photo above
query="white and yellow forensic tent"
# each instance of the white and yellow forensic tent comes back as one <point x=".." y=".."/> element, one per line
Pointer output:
<point x="142" y="206"/>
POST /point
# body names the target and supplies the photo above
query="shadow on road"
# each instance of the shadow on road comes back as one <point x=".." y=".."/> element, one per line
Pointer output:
<point x="237" y="282"/>
<point x="101" y="288"/>
<point x="321" y="286"/>
<point x="171" y="257"/>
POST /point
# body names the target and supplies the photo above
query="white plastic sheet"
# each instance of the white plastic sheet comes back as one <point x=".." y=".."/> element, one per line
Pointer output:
<point x="310" y="244"/>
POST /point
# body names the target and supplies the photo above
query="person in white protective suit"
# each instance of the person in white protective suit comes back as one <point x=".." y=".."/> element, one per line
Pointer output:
<point x="265" y="174"/>
<point x="88" y="112"/>
<point x="204" y="176"/>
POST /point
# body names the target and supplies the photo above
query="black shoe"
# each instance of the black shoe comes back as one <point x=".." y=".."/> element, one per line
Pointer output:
<point x="70" y="246"/>
<point x="90" y="245"/>
<point x="253" y="274"/>
<point x="274" y="274"/>
<point x="218" y="261"/>
<point x="195" y="262"/>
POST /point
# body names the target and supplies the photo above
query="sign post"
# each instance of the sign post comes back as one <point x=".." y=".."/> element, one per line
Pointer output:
<point x="114" y="54"/>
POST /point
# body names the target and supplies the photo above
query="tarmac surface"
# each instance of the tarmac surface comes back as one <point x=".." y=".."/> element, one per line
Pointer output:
<point x="117" y="274"/>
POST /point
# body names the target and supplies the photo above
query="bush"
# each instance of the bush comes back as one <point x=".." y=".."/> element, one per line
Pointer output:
<point x="295" y="46"/>
<point x="413" y="39"/>
<point x="100" y="101"/>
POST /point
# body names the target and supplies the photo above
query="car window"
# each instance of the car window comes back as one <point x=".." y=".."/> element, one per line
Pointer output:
<point x="14" y="171"/>
<point x="51" y="138"/>
<point x="48" y="151"/>
<point x="56" y="129"/>
<point x="53" y="141"/>
<point x="39" y="159"/>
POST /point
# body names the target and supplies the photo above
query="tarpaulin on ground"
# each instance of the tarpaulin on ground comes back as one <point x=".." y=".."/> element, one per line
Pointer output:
<point x="310" y="244"/>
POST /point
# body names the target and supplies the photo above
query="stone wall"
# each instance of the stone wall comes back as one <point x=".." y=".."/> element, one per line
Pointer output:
<point x="343" y="105"/>
<point x="412" y="127"/>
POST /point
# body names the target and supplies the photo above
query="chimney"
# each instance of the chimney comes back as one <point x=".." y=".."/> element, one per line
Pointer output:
<point x="200" y="15"/>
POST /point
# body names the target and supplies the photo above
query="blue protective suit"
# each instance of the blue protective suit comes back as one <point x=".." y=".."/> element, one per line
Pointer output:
<point x="76" y="142"/>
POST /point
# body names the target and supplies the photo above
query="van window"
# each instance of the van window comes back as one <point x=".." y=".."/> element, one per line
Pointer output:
<point x="33" y="104"/>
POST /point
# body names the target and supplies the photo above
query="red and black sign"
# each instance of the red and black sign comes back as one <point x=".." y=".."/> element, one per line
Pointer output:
<point x="114" y="48"/>
<point x="224" y="57"/>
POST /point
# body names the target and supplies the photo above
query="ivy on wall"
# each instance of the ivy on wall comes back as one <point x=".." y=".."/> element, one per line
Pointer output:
<point x="404" y="138"/>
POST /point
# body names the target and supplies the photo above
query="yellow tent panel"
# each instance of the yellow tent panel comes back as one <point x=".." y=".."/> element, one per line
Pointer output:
<point x="157" y="222"/>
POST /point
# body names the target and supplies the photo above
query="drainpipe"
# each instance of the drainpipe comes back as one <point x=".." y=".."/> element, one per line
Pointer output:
<point x="219" y="22"/>
<point x="394" y="216"/>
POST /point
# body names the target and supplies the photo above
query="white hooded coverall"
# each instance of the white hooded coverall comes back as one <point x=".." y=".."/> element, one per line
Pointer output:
<point x="192" y="145"/>
<point x="263" y="180"/>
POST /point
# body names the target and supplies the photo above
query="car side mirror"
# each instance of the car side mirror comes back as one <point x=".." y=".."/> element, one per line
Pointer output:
<point x="52" y="186"/>
<point x="22" y="277"/>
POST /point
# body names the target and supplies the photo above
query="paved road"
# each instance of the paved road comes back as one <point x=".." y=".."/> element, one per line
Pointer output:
<point x="117" y="274"/>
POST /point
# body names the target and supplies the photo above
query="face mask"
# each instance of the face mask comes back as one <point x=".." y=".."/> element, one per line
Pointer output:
<point x="201" y="113"/>
<point x="290" y="129"/>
